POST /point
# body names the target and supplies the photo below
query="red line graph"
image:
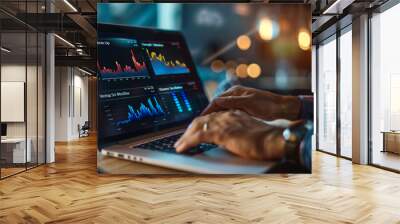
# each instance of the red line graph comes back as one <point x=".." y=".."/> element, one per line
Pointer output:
<point x="135" y="68"/>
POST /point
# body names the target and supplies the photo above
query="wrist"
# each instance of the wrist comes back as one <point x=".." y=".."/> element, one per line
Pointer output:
<point x="293" y="136"/>
<point x="273" y="144"/>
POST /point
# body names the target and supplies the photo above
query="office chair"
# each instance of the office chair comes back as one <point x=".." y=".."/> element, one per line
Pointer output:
<point x="84" y="130"/>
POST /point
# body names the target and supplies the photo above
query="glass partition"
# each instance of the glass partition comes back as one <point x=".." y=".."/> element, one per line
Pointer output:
<point x="22" y="87"/>
<point x="15" y="149"/>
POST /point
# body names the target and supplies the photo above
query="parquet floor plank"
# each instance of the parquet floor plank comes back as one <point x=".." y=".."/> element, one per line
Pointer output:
<point x="70" y="191"/>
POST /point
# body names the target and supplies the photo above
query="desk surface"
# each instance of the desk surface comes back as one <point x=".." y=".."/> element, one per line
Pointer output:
<point x="391" y="132"/>
<point x="13" y="140"/>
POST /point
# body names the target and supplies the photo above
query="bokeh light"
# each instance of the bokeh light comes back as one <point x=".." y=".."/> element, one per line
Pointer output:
<point x="304" y="40"/>
<point x="243" y="42"/>
<point x="241" y="71"/>
<point x="271" y="34"/>
<point x="242" y="9"/>
<point x="254" y="70"/>
<point x="217" y="66"/>
<point x="281" y="78"/>
<point x="268" y="29"/>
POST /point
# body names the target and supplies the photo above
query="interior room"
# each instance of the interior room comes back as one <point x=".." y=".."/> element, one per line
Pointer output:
<point x="49" y="102"/>
<point x="22" y="99"/>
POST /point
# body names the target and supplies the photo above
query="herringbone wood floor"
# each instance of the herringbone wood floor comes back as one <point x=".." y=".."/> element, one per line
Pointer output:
<point x="70" y="191"/>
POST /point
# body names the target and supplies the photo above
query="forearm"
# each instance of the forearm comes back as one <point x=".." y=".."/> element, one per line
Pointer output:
<point x="296" y="107"/>
<point x="290" y="107"/>
<point x="273" y="144"/>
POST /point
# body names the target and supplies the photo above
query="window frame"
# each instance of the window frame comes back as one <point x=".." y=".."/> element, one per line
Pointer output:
<point x="333" y="37"/>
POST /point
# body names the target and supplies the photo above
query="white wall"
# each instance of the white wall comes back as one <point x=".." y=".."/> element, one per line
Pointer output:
<point x="33" y="127"/>
<point x="71" y="102"/>
<point x="14" y="73"/>
<point x="62" y="82"/>
<point x="80" y="111"/>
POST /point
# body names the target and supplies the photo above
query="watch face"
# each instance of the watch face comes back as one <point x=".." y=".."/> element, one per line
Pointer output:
<point x="297" y="133"/>
<point x="289" y="135"/>
<point x="286" y="134"/>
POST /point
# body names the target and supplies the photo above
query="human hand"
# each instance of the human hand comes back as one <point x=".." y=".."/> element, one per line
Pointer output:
<point x="258" y="103"/>
<point x="236" y="132"/>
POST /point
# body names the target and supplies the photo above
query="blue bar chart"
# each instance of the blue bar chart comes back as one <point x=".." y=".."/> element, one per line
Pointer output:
<point x="180" y="99"/>
<point x="149" y="108"/>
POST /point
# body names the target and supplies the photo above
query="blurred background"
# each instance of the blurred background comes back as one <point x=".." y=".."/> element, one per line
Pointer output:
<point x="257" y="45"/>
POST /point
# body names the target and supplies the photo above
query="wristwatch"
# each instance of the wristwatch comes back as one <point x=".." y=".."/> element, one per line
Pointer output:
<point x="293" y="137"/>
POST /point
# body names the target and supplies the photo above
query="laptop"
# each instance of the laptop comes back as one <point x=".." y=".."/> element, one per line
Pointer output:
<point x="148" y="93"/>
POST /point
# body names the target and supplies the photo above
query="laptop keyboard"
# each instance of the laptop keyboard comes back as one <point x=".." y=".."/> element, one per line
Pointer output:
<point x="167" y="145"/>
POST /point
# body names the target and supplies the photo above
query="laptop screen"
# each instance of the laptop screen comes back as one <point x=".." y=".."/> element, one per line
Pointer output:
<point x="147" y="82"/>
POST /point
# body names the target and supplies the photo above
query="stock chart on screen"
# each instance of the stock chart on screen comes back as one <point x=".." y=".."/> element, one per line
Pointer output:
<point x="120" y="58"/>
<point x="148" y="109"/>
<point x="146" y="83"/>
<point x="141" y="107"/>
<point x="176" y="100"/>
<point x="179" y="99"/>
<point x="133" y="112"/>
<point x="166" y="58"/>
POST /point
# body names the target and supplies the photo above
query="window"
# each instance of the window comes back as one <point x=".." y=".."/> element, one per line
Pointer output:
<point x="346" y="93"/>
<point x="385" y="89"/>
<point x="327" y="96"/>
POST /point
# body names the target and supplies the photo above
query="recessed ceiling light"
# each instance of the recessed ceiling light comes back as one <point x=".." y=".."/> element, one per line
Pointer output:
<point x="5" y="50"/>
<point x="70" y="5"/>
<point x="64" y="40"/>
<point x="337" y="7"/>
<point x="84" y="71"/>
